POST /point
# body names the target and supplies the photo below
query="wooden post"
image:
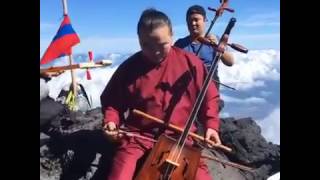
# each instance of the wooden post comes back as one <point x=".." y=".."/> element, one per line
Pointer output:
<point x="73" y="78"/>
<point x="65" y="7"/>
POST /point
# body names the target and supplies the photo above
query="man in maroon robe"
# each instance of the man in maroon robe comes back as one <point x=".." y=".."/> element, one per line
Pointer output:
<point x="160" y="80"/>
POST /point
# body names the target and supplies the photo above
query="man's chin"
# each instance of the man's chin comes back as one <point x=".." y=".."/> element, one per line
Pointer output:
<point x="157" y="60"/>
<point x="195" y="33"/>
<point x="154" y="60"/>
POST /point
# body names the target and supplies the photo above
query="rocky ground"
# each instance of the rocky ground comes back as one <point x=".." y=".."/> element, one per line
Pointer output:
<point x="78" y="150"/>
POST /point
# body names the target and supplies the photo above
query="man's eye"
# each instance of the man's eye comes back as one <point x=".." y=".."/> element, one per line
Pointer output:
<point x="145" y="45"/>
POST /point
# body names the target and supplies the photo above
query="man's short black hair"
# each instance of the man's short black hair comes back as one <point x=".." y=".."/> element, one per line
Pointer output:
<point x="196" y="9"/>
<point x="151" y="19"/>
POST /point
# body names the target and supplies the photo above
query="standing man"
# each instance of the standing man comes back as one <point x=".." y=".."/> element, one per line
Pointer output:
<point x="196" y="20"/>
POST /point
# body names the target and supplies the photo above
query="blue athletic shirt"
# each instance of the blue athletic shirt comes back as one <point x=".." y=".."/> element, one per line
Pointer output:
<point x="206" y="54"/>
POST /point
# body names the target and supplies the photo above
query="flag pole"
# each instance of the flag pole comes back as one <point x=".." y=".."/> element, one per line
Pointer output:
<point x="73" y="78"/>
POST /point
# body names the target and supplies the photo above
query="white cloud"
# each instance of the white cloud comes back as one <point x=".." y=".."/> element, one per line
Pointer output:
<point x="252" y="69"/>
<point x="265" y="93"/>
<point x="270" y="126"/>
<point x="263" y="61"/>
<point x="62" y="61"/>
<point x="93" y="87"/>
<point x="249" y="100"/>
<point x="238" y="85"/>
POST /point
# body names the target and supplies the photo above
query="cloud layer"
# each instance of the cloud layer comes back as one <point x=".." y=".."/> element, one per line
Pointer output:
<point x="252" y="69"/>
<point x="256" y="75"/>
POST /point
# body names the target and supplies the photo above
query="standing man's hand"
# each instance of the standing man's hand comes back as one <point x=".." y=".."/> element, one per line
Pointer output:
<point x="212" y="38"/>
<point x="227" y="57"/>
<point x="213" y="136"/>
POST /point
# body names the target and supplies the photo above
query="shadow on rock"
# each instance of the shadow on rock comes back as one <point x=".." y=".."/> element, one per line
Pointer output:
<point x="83" y="154"/>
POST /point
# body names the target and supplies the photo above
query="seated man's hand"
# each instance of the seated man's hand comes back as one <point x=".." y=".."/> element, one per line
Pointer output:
<point x="213" y="136"/>
<point x="111" y="131"/>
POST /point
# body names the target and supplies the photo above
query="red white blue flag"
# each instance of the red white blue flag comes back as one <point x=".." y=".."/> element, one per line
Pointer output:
<point x="62" y="43"/>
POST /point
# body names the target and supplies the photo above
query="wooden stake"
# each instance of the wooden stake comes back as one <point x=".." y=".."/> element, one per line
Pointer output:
<point x="65" y="8"/>
<point x="73" y="78"/>
<point x="85" y="65"/>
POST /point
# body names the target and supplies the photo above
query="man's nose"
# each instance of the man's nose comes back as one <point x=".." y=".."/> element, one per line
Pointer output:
<point x="157" y="53"/>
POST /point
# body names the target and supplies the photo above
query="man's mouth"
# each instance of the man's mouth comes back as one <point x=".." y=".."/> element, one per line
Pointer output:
<point x="195" y="28"/>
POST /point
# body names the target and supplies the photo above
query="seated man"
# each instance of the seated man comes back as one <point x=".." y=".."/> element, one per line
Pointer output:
<point x="160" y="80"/>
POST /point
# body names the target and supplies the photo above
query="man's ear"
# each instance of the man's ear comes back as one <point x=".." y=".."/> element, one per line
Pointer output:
<point x="139" y="39"/>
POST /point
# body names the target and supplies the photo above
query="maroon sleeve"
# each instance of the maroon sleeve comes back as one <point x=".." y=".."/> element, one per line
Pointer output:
<point x="209" y="110"/>
<point x="113" y="98"/>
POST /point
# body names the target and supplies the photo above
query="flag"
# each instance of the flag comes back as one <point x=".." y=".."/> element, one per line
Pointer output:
<point x="61" y="44"/>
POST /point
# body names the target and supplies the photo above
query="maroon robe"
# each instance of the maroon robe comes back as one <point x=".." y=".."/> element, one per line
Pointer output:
<point x="167" y="90"/>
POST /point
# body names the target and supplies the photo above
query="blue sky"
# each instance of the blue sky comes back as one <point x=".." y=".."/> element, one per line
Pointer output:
<point x="110" y="26"/>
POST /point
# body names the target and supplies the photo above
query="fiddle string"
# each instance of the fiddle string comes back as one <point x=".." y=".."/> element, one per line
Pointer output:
<point x="171" y="156"/>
